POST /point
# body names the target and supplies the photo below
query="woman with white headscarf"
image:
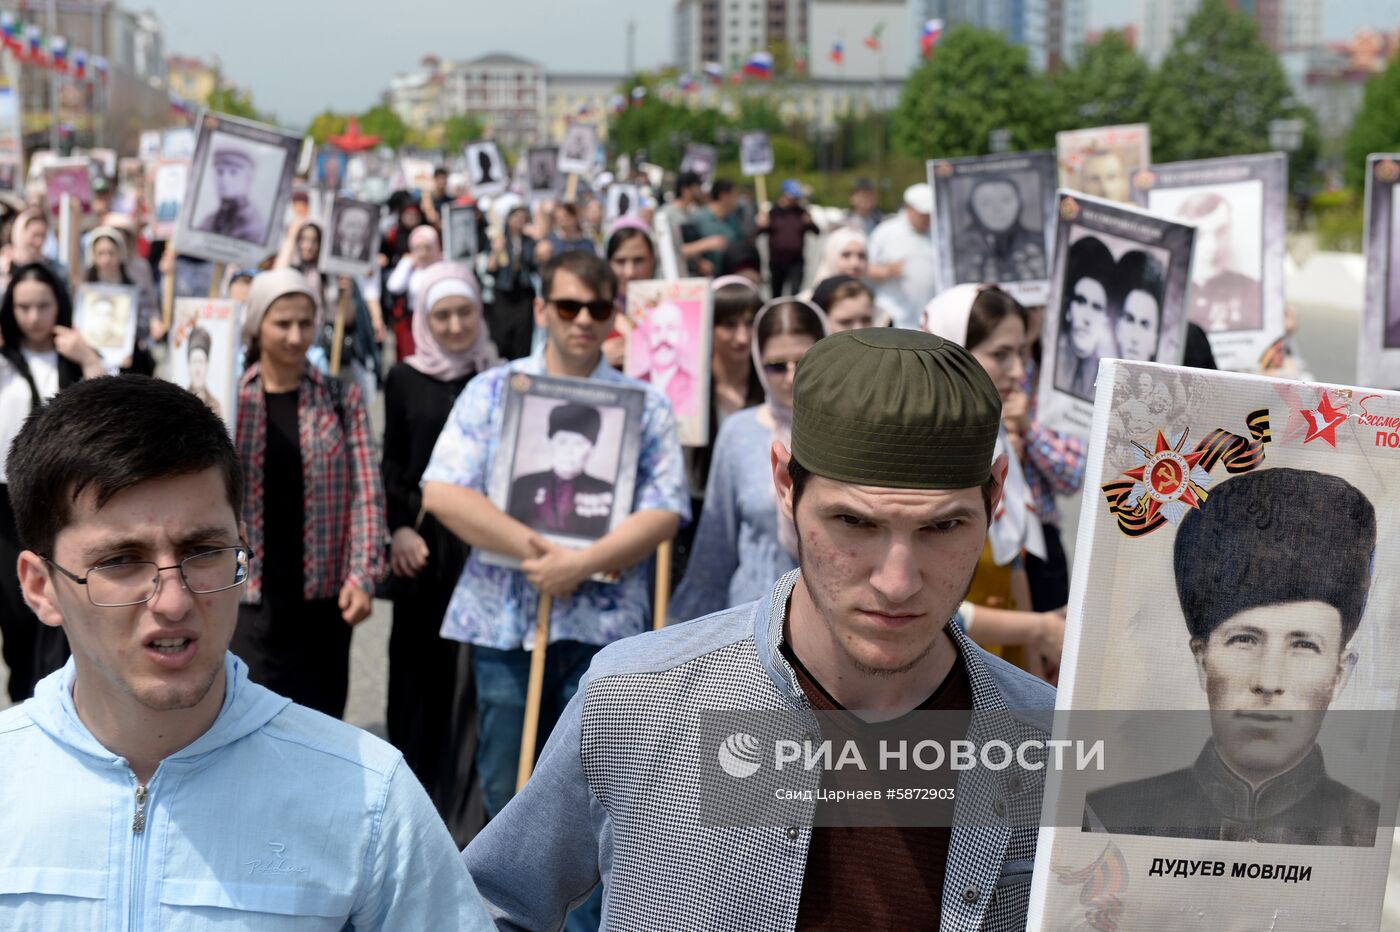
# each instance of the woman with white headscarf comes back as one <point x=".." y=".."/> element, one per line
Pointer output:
<point x="843" y="253"/>
<point x="991" y="325"/>
<point x="742" y="545"/>
<point x="313" y="502"/>
<point x="450" y="346"/>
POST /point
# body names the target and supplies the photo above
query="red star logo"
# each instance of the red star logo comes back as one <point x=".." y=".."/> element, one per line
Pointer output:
<point x="1166" y="474"/>
<point x="1323" y="423"/>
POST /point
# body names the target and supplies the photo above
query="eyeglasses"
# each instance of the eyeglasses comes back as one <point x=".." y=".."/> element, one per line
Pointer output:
<point x="776" y="369"/>
<point x="568" y="308"/>
<point x="114" y="585"/>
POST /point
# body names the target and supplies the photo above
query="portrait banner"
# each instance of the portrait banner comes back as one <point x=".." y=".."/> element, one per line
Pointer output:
<point x="995" y="217"/>
<point x="148" y="145"/>
<point x="669" y="347"/>
<point x="459" y="233"/>
<point x="1230" y="634"/>
<point x="486" y="169"/>
<point x="240" y="182"/>
<point x="203" y="357"/>
<point x="106" y="317"/>
<point x="566" y="464"/>
<point x="72" y="177"/>
<point x="1378" y="348"/>
<point x="577" y="154"/>
<point x="1101" y="162"/>
<point x="167" y="180"/>
<point x="623" y="200"/>
<point x="351" y="238"/>
<point x="755" y="153"/>
<point x="542" y="166"/>
<point x="1237" y="205"/>
<point x="1120" y="281"/>
<point x="701" y="159"/>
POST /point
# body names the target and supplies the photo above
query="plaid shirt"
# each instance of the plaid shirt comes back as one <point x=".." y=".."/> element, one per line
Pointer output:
<point x="1053" y="462"/>
<point x="344" y="528"/>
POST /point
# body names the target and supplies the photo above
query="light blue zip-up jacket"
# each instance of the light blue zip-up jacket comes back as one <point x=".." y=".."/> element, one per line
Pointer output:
<point x="278" y="817"/>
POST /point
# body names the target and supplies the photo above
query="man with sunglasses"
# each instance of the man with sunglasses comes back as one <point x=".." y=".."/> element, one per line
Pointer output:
<point x="493" y="608"/>
<point x="152" y="784"/>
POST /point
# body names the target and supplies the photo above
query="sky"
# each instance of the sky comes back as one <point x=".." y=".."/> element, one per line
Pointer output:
<point x="299" y="57"/>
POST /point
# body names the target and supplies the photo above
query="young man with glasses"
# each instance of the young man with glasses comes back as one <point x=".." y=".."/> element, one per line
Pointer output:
<point x="160" y="787"/>
<point x="493" y="608"/>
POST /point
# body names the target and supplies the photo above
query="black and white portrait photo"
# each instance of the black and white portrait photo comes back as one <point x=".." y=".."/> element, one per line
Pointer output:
<point x="106" y="316"/>
<point x="1378" y="339"/>
<point x="1391" y="336"/>
<point x="486" y="168"/>
<point x="354" y="237"/>
<point x="1271" y="639"/>
<point x="701" y="159"/>
<point x="240" y="180"/>
<point x="459" y="233"/>
<point x="576" y="155"/>
<point x="624" y="200"/>
<point x="543" y="167"/>
<point x="755" y="153"/>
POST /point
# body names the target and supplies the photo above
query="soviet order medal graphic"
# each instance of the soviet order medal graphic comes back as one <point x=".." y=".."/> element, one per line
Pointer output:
<point x="1166" y="479"/>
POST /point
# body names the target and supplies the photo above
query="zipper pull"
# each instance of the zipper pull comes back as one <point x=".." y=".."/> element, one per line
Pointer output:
<point x="138" y="821"/>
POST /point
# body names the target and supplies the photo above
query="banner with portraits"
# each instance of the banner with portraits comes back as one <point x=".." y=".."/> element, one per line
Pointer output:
<point x="1119" y="284"/>
<point x="1101" y="162"/>
<point x="166" y="183"/>
<point x="669" y="348"/>
<point x="1231" y="640"/>
<point x="995" y="217"/>
<point x="240" y="181"/>
<point x="542" y="172"/>
<point x="352" y="238"/>
<point x="755" y="153"/>
<point x="106" y="317"/>
<point x="566" y="465"/>
<point x="1237" y="205"/>
<point x="203" y="356"/>
<point x="580" y="148"/>
<point x="1378" y="349"/>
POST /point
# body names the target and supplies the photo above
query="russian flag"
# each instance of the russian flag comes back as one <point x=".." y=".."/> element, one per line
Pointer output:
<point x="639" y="95"/>
<point x="9" y="31"/>
<point x="687" y="82"/>
<point x="838" y="52"/>
<point x="34" y="40"/>
<point x="178" y="106"/>
<point x="714" y="71"/>
<point x="932" y="30"/>
<point x="58" y="50"/>
<point x="99" y="64"/>
<point x="80" y="63"/>
<point x="759" y="65"/>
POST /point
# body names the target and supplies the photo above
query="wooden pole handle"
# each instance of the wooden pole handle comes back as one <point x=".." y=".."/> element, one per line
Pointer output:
<point x="534" y="694"/>
<point x="663" y="585"/>
<point x="760" y="190"/>
<point x="571" y="188"/>
<point x="342" y="309"/>
<point x="216" y="279"/>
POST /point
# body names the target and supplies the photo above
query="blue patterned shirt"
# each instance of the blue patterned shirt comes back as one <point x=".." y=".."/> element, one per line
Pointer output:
<point x="495" y="607"/>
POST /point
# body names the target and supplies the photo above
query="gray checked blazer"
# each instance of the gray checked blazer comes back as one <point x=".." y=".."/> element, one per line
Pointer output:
<point x="613" y="799"/>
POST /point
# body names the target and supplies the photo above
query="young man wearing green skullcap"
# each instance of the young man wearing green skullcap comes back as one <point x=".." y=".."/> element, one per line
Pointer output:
<point x="890" y="481"/>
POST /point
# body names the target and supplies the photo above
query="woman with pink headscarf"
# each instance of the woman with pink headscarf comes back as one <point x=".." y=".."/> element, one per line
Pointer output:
<point x="450" y="347"/>
<point x="424" y="249"/>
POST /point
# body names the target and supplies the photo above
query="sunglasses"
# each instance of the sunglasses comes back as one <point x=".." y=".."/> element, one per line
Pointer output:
<point x="776" y="369"/>
<point x="569" y="308"/>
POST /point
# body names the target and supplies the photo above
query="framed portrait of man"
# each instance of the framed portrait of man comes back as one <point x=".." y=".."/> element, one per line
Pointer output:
<point x="1237" y="205"/>
<point x="486" y="168"/>
<point x="755" y="153"/>
<point x="1378" y="346"/>
<point x="351" y="237"/>
<point x="576" y="155"/>
<point x="1101" y="162"/>
<point x="1244" y="694"/>
<point x="702" y="159"/>
<point x="669" y="348"/>
<point x="995" y="218"/>
<point x="240" y="180"/>
<point x="1119" y="280"/>
<point x="166" y="184"/>
<point x="542" y="167"/>
<point x="106" y="317"/>
<point x="459" y="233"/>
<point x="566" y="466"/>
<point x="203" y="357"/>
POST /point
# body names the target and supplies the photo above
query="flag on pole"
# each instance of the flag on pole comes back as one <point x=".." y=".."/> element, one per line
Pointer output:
<point x="714" y="71"/>
<point x="933" y="28"/>
<point x="58" y="51"/>
<point x="759" y="65"/>
<point x="838" y="52"/>
<point x="34" y="40"/>
<point x="872" y="41"/>
<point x="99" y="64"/>
<point x="80" y="64"/>
<point x="687" y="82"/>
<point x="639" y="95"/>
<point x="9" y="30"/>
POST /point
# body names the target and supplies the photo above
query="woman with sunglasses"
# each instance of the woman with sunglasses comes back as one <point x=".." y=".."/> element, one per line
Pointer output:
<point x="742" y="546"/>
<point x="40" y="355"/>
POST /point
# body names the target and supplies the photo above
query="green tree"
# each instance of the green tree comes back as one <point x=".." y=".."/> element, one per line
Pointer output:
<point x="975" y="82"/>
<point x="459" y="130"/>
<point x="1376" y="127"/>
<point x="325" y="125"/>
<point x="1107" y="85"/>
<point x="380" y="120"/>
<point x="662" y="129"/>
<point x="232" y="101"/>
<point x="1217" y="90"/>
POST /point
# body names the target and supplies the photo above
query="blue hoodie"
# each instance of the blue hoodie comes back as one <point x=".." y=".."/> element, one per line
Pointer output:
<point x="277" y="817"/>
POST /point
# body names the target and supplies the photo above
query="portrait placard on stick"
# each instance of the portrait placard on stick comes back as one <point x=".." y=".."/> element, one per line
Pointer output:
<point x="1119" y="285"/>
<point x="566" y="466"/>
<point x="996" y="220"/>
<point x="486" y="168"/>
<point x="106" y="316"/>
<point x="624" y="200"/>
<point x="755" y="153"/>
<point x="542" y="164"/>
<point x="1244" y="687"/>
<point x="1378" y="352"/>
<point x="669" y="347"/>
<point x="459" y="233"/>
<point x="1237" y="205"/>
<point x="168" y="181"/>
<point x="579" y="149"/>
<point x="352" y="238"/>
<point x="1101" y="162"/>
<point x="71" y="177"/>
<point x="701" y="159"/>
<point x="240" y="181"/>
<point x="203" y="358"/>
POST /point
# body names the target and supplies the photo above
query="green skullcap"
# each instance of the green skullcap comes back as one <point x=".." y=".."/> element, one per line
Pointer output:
<point x="896" y="408"/>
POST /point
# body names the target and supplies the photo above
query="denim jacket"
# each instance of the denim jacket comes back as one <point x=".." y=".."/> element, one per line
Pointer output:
<point x="607" y="802"/>
<point x="277" y="817"/>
